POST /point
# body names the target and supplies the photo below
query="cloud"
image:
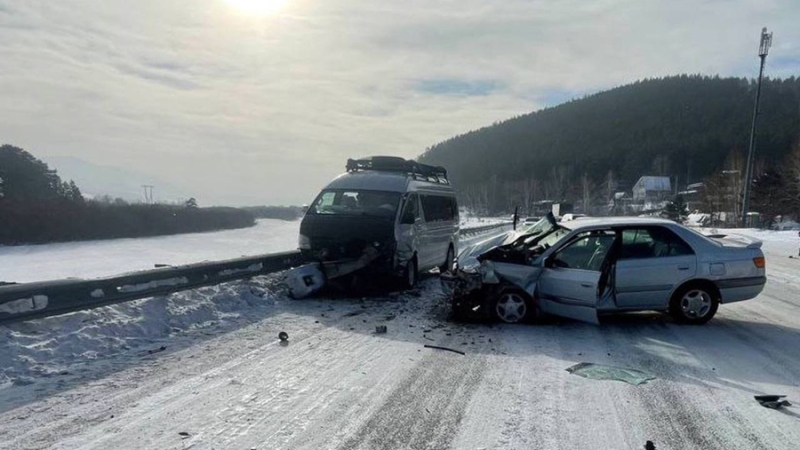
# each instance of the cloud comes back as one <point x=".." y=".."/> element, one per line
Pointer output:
<point x="237" y="109"/>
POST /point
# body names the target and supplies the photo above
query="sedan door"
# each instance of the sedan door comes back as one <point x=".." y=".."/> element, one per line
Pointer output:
<point x="652" y="261"/>
<point x="568" y="285"/>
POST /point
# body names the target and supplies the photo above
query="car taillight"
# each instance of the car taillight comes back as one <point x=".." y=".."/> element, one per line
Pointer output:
<point x="760" y="262"/>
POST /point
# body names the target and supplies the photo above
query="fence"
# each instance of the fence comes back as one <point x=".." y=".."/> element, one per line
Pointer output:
<point x="48" y="298"/>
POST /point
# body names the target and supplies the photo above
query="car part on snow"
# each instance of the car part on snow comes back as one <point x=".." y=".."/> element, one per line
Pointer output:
<point x="445" y="349"/>
<point x="305" y="280"/>
<point x="772" y="401"/>
<point x="603" y="372"/>
<point x="380" y="329"/>
<point x="283" y="336"/>
<point x="649" y="445"/>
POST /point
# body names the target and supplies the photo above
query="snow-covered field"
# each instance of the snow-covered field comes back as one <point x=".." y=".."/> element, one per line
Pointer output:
<point x="92" y="259"/>
<point x="99" y="379"/>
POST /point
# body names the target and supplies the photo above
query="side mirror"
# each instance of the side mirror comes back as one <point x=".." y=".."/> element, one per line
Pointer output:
<point x="547" y="263"/>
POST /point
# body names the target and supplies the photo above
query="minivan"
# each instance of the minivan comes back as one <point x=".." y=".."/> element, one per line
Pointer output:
<point x="384" y="215"/>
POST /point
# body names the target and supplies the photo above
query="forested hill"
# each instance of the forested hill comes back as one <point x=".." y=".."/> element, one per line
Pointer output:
<point x="682" y="126"/>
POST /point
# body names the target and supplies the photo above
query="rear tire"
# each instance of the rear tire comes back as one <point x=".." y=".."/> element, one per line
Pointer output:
<point x="694" y="304"/>
<point x="448" y="262"/>
<point x="513" y="306"/>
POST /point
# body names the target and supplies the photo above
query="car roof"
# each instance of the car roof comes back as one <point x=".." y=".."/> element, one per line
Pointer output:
<point x="599" y="222"/>
<point x="385" y="181"/>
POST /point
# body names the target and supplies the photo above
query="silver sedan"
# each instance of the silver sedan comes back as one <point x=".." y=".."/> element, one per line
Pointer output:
<point x="590" y="266"/>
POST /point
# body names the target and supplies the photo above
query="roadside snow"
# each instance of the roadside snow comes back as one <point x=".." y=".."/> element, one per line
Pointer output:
<point x="92" y="259"/>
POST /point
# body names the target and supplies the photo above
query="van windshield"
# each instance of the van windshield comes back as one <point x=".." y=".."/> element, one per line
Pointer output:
<point x="356" y="202"/>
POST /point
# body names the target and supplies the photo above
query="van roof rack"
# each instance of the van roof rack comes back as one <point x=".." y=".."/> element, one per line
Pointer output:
<point x="434" y="174"/>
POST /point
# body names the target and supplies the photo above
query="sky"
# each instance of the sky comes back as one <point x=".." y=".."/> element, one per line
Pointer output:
<point x="247" y="102"/>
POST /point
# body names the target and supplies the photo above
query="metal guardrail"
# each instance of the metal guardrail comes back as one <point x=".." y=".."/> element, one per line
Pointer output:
<point x="27" y="301"/>
<point x="48" y="298"/>
<point x="483" y="229"/>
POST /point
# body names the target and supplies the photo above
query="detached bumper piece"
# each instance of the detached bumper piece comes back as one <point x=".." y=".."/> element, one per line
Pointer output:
<point x="310" y="278"/>
<point x="467" y="294"/>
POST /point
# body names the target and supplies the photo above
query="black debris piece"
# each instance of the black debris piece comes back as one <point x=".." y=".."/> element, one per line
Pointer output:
<point x="380" y="329"/>
<point x="184" y="434"/>
<point x="445" y="349"/>
<point x="283" y="336"/>
<point x="772" y="401"/>
<point x="156" y="350"/>
<point x="649" y="445"/>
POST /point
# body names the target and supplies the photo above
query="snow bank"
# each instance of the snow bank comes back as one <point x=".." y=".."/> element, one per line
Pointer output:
<point x="49" y="347"/>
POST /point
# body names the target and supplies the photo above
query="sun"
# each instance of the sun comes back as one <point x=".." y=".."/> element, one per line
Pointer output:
<point x="257" y="7"/>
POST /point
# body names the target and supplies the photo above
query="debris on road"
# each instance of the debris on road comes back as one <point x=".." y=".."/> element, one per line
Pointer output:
<point x="603" y="372"/>
<point x="283" y="336"/>
<point x="184" y="434"/>
<point x="380" y="329"/>
<point x="649" y="445"/>
<point x="772" y="401"/>
<point x="157" y="350"/>
<point x="445" y="349"/>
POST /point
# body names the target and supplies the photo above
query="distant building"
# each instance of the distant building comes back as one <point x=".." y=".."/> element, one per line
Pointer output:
<point x="652" y="189"/>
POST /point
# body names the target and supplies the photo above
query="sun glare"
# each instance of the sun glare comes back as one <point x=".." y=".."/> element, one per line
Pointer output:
<point x="257" y="7"/>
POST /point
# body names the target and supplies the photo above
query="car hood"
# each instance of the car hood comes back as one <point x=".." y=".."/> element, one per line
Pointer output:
<point x="545" y="225"/>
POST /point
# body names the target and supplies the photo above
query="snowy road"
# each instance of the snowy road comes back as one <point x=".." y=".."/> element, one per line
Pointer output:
<point x="226" y="382"/>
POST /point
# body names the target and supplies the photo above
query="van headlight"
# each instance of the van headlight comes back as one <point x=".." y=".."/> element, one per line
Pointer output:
<point x="304" y="243"/>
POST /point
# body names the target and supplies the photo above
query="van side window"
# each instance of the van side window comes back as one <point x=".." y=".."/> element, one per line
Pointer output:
<point x="438" y="208"/>
<point x="652" y="242"/>
<point x="410" y="213"/>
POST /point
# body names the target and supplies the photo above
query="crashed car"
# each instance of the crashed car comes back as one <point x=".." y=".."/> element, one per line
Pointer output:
<point x="583" y="268"/>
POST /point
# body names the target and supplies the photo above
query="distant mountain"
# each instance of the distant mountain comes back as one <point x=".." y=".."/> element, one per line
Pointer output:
<point x="683" y="126"/>
<point x="96" y="180"/>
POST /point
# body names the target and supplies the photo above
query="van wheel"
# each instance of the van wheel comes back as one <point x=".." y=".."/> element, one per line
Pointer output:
<point x="695" y="304"/>
<point x="449" y="262"/>
<point x="513" y="306"/>
<point x="410" y="279"/>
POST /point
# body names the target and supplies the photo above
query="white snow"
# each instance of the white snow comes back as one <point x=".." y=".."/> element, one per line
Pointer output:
<point x="98" y="379"/>
<point x="93" y="259"/>
<point x="34" y="303"/>
<point x="251" y="268"/>
<point x="153" y="284"/>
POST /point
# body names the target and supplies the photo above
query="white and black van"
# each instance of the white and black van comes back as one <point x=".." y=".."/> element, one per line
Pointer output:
<point x="385" y="214"/>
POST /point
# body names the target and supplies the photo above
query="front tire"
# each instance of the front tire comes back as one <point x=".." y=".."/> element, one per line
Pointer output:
<point x="410" y="278"/>
<point x="448" y="262"/>
<point x="513" y="306"/>
<point x="694" y="305"/>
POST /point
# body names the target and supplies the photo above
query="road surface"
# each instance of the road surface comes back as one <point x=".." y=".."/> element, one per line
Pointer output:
<point x="338" y="385"/>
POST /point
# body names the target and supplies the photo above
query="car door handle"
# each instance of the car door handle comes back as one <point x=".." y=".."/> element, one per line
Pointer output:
<point x="683" y="267"/>
<point x="587" y="285"/>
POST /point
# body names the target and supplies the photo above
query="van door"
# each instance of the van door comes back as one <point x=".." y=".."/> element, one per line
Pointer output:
<point x="410" y="231"/>
<point x="570" y="281"/>
<point x="439" y="226"/>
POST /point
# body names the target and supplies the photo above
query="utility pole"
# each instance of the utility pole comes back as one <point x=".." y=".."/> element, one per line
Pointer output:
<point x="763" y="50"/>
<point x="148" y="193"/>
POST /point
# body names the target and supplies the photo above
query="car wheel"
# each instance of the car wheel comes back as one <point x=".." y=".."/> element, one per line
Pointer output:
<point x="410" y="279"/>
<point x="448" y="263"/>
<point x="694" y="305"/>
<point x="512" y="306"/>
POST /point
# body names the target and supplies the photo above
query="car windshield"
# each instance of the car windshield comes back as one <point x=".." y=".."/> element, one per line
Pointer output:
<point x="356" y="202"/>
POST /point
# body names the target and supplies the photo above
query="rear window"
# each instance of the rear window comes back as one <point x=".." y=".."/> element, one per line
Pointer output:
<point x="652" y="242"/>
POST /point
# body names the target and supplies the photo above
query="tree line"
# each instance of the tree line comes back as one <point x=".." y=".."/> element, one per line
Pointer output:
<point x="36" y="206"/>
<point x="586" y="150"/>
